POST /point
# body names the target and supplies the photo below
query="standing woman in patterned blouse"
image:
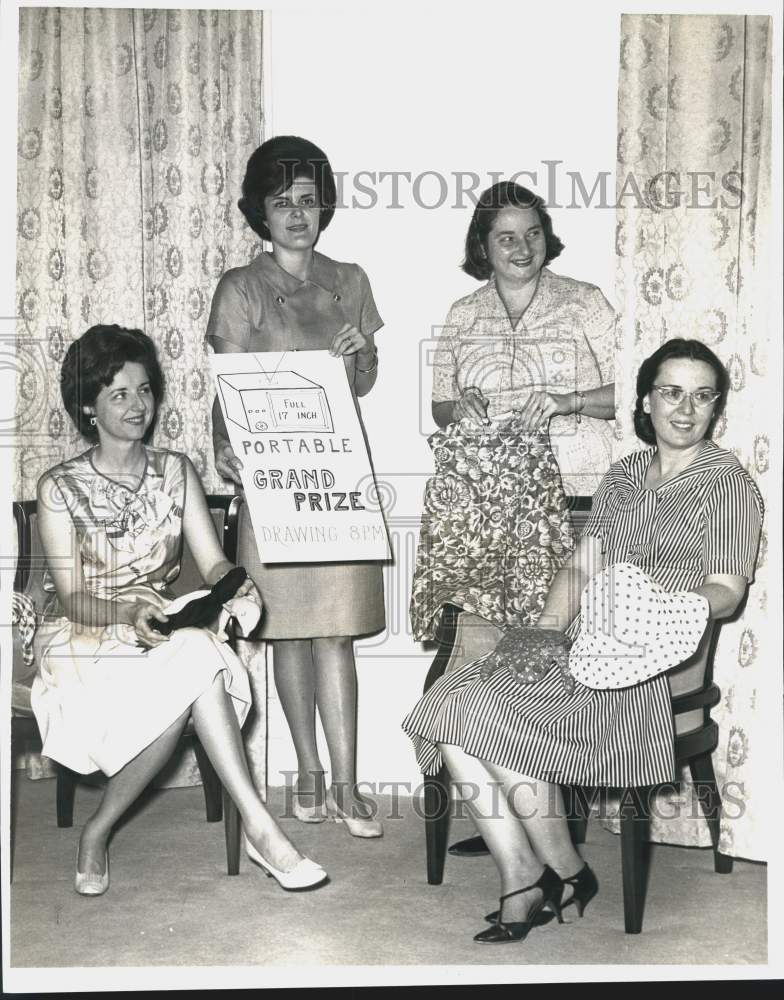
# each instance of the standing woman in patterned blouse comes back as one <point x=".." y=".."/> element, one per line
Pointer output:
<point x="529" y="339"/>
<point x="297" y="299"/>
<point x="528" y="360"/>
<point x="685" y="513"/>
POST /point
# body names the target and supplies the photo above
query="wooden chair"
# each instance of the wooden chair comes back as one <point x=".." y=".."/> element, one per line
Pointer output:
<point x="462" y="637"/>
<point x="696" y="737"/>
<point x="29" y="580"/>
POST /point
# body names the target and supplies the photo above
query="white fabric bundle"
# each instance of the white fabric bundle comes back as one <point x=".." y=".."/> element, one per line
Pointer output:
<point x="631" y="629"/>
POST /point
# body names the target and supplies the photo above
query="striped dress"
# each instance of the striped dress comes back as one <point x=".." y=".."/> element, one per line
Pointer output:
<point x="705" y="520"/>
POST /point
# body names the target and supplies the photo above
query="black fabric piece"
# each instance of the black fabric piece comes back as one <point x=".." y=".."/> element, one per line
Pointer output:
<point x="204" y="610"/>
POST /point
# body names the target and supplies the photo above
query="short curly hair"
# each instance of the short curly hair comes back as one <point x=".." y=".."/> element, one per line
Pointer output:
<point x="670" y="350"/>
<point x="92" y="361"/>
<point x="491" y="202"/>
<point x="274" y="167"/>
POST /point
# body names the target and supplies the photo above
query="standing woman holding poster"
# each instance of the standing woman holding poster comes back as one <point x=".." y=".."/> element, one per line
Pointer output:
<point x="297" y="299"/>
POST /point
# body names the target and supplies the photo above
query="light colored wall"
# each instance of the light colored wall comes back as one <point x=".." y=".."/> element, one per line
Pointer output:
<point x="435" y="89"/>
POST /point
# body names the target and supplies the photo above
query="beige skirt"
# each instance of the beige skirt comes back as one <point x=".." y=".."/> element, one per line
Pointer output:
<point x="313" y="600"/>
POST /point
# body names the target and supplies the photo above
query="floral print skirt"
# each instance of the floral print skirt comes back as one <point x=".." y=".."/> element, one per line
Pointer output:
<point x="495" y="526"/>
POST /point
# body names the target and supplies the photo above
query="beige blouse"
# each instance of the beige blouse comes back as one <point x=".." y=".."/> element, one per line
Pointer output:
<point x="261" y="307"/>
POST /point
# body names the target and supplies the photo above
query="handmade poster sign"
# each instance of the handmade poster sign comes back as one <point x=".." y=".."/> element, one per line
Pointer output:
<point x="306" y="472"/>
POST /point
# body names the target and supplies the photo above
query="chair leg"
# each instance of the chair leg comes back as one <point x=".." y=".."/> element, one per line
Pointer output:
<point x="447" y="633"/>
<point x="707" y="792"/>
<point x="231" y="828"/>
<point x="577" y="811"/>
<point x="436" y="824"/>
<point x="437" y="788"/>
<point x="722" y="863"/>
<point x="634" y="856"/>
<point x="210" y="783"/>
<point x="66" y="793"/>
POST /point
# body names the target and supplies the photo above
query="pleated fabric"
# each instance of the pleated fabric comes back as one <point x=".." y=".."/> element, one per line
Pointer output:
<point x="588" y="737"/>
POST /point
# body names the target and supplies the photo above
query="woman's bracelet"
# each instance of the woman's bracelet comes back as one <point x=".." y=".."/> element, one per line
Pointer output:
<point x="374" y="365"/>
<point x="580" y="404"/>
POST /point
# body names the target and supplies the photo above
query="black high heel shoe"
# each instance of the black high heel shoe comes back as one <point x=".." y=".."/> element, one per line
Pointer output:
<point x="585" y="885"/>
<point x="551" y="887"/>
<point x="542" y="917"/>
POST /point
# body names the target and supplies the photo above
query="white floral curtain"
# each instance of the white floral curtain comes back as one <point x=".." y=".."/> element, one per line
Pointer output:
<point x="134" y="130"/>
<point x="693" y="242"/>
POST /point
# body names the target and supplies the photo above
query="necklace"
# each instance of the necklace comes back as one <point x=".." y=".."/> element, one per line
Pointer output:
<point x="516" y="300"/>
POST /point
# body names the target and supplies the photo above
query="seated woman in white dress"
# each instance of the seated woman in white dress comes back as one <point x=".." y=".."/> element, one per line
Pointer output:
<point x="113" y="693"/>
<point x="685" y="514"/>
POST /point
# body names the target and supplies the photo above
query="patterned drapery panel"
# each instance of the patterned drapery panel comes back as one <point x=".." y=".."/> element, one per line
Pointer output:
<point x="134" y="130"/>
<point x="693" y="248"/>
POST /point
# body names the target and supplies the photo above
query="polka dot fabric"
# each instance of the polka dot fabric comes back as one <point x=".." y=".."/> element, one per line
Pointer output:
<point x="631" y="629"/>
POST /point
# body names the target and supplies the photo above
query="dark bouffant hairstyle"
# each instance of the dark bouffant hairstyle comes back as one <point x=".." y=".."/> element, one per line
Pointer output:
<point x="274" y="167"/>
<point x="93" y="360"/>
<point x="693" y="350"/>
<point x="490" y="203"/>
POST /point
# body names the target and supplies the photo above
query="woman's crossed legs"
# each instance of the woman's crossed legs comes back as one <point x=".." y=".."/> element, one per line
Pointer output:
<point x="216" y="726"/>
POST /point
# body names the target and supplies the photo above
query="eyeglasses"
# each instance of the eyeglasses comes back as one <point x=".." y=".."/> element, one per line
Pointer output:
<point x="674" y="394"/>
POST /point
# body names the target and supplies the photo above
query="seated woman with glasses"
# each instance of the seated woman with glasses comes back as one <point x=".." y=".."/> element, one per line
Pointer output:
<point x="686" y="514"/>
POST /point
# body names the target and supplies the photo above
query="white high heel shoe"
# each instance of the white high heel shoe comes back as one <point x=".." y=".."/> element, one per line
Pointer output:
<point x="305" y="875"/>
<point x="357" y="826"/>
<point x="90" y="883"/>
<point x="309" y="814"/>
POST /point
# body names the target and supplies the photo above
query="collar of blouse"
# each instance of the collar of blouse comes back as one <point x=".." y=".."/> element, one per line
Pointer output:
<point x="323" y="274"/>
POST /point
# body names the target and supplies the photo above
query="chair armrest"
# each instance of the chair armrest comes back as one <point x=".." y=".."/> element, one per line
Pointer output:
<point x="231" y="528"/>
<point x="705" y="697"/>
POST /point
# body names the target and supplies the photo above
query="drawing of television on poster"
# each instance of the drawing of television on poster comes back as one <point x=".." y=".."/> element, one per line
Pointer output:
<point x="292" y="421"/>
<point x="280" y="401"/>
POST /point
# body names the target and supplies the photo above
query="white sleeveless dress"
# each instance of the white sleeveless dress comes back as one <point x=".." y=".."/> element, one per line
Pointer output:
<point x="98" y="699"/>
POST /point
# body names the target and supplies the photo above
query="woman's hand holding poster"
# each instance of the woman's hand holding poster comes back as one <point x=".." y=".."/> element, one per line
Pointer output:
<point x="306" y="472"/>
